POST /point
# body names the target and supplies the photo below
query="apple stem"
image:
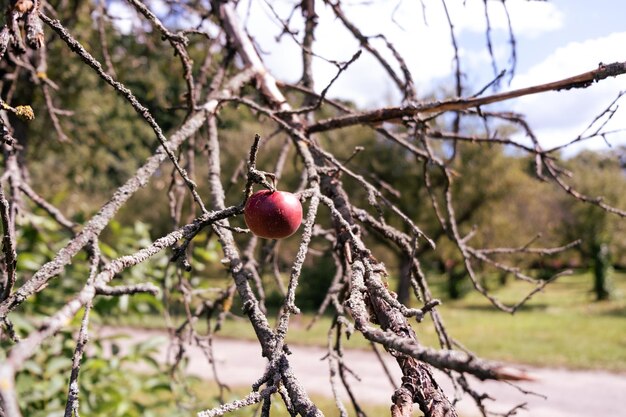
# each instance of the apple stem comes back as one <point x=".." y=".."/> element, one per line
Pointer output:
<point x="253" y="151"/>
<point x="254" y="175"/>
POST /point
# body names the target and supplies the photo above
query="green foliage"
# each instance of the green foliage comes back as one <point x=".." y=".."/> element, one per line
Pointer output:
<point x="124" y="241"/>
<point x="109" y="140"/>
<point x="113" y="380"/>
<point x="35" y="248"/>
<point x="39" y="238"/>
<point x="314" y="283"/>
<point x="602" y="233"/>
<point x="108" y="386"/>
<point x="596" y="175"/>
<point x="492" y="191"/>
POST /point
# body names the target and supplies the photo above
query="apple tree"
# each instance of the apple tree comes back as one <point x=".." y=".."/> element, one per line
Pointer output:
<point x="159" y="102"/>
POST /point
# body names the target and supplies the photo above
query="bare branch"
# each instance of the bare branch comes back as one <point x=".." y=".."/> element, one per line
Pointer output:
<point x="8" y="248"/>
<point x="395" y="114"/>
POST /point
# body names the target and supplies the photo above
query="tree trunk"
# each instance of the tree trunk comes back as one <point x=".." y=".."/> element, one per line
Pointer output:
<point x="503" y="278"/>
<point x="455" y="280"/>
<point x="404" y="278"/>
<point x="601" y="271"/>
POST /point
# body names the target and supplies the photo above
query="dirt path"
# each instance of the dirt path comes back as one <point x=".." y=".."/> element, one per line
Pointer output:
<point x="569" y="393"/>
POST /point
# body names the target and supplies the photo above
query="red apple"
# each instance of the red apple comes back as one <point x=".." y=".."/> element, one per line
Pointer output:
<point x="273" y="214"/>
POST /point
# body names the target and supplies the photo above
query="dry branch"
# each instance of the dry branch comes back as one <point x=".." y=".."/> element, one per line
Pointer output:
<point x="395" y="114"/>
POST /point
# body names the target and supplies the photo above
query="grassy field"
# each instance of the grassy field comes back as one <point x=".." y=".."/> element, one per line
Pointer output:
<point x="561" y="327"/>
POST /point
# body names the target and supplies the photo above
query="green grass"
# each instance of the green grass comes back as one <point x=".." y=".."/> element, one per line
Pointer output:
<point x="560" y="327"/>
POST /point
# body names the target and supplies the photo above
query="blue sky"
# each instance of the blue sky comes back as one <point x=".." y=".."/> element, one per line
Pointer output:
<point x="582" y="20"/>
<point x="555" y="39"/>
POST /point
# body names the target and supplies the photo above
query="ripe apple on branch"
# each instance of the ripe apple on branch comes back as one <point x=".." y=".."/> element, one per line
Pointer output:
<point x="270" y="214"/>
<point x="273" y="214"/>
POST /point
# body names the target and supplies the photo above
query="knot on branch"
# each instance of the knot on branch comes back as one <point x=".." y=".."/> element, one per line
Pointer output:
<point x="261" y="177"/>
<point x="609" y="70"/>
<point x="248" y="306"/>
<point x="402" y="403"/>
<point x="179" y="256"/>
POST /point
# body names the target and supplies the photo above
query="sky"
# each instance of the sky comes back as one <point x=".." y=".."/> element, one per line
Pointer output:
<point x="555" y="40"/>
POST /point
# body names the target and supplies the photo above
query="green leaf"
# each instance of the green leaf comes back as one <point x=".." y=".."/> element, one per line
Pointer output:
<point x="28" y="261"/>
<point x="57" y="364"/>
<point x="108" y="251"/>
<point x="33" y="367"/>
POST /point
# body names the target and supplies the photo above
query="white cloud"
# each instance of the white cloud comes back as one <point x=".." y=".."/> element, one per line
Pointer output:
<point x="528" y="18"/>
<point x="576" y="57"/>
<point x="424" y="41"/>
<point x="124" y="17"/>
<point x="559" y="117"/>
